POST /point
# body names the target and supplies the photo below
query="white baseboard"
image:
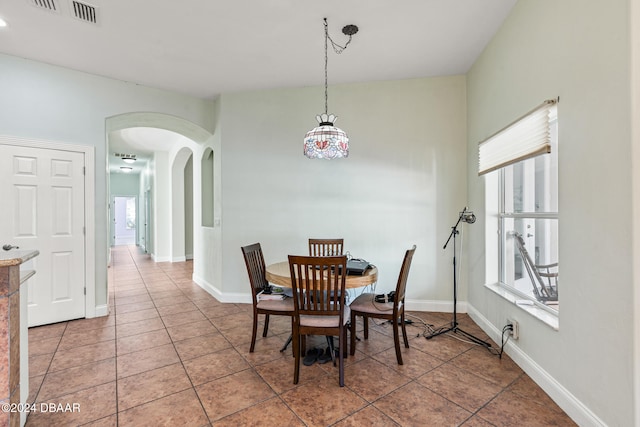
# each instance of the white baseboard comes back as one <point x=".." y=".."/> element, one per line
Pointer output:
<point x="578" y="412"/>
<point x="156" y="258"/>
<point x="239" y="298"/>
<point x="179" y="259"/>
<point x="436" y="306"/>
<point x="102" y="310"/>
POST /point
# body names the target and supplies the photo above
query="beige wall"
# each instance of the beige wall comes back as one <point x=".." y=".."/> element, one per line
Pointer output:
<point x="403" y="183"/>
<point x="579" y="51"/>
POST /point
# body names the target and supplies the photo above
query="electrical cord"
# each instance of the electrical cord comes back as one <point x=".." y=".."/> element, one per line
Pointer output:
<point x="507" y="328"/>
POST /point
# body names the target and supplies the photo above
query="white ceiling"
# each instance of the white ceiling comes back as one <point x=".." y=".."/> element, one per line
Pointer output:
<point x="208" y="47"/>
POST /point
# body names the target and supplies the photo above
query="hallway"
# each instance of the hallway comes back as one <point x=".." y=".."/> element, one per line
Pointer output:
<point x="170" y="354"/>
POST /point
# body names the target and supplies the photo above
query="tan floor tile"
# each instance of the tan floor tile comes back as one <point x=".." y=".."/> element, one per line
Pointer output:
<point x="279" y="374"/>
<point x="232" y="321"/>
<point x="194" y="292"/>
<point x="525" y="387"/>
<point x="414" y="362"/>
<point x="137" y="289"/>
<point x="369" y="416"/>
<point x="90" y="324"/>
<point x="137" y="285"/>
<point x="132" y="299"/>
<point x="208" y="303"/>
<point x="151" y="385"/>
<point x="415" y="405"/>
<point x="241" y="335"/>
<point x="64" y="359"/>
<point x="161" y="302"/>
<point x="140" y="327"/>
<point x="180" y="409"/>
<point x="266" y="350"/>
<point x="136" y="316"/>
<point x="502" y="371"/>
<point x="201" y="345"/>
<point x="44" y="346"/>
<point x="136" y="306"/>
<point x="35" y="382"/>
<point x="190" y="330"/>
<point x="110" y="421"/>
<point x="220" y="310"/>
<point x="168" y="291"/>
<point x="142" y="341"/>
<point x="477" y="421"/>
<point x="371" y="379"/>
<point x="47" y="331"/>
<point x="177" y="308"/>
<point x="376" y="343"/>
<point x="146" y="360"/>
<point x="270" y="413"/>
<point x="460" y="386"/>
<point x="77" y="378"/>
<point x="87" y="405"/>
<point x="233" y="393"/>
<point x="510" y="409"/>
<point x="93" y="336"/>
<point x="443" y="347"/>
<point x="215" y="365"/>
<point x="323" y="402"/>
<point x="178" y="319"/>
<point x="39" y="364"/>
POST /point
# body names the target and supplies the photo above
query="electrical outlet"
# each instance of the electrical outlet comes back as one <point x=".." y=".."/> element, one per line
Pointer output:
<point x="515" y="332"/>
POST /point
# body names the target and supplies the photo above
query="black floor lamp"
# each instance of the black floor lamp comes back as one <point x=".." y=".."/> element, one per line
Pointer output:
<point x="470" y="218"/>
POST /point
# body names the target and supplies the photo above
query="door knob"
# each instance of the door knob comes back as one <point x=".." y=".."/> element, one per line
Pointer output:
<point x="8" y="247"/>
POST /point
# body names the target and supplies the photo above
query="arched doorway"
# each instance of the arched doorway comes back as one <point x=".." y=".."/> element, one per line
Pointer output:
<point x="171" y="187"/>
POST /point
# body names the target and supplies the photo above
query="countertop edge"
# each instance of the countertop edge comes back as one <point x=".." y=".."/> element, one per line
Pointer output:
<point x="11" y="258"/>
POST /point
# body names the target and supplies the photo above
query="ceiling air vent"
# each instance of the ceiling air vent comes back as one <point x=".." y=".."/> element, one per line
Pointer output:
<point x="49" y="5"/>
<point x="84" y="12"/>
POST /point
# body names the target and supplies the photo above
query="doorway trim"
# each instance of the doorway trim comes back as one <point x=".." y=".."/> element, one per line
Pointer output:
<point x="91" y="310"/>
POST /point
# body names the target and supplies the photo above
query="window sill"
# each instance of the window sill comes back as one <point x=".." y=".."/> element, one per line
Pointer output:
<point x="545" y="316"/>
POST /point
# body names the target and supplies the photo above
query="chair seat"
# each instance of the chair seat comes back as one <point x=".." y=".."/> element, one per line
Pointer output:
<point x="325" y="321"/>
<point x="365" y="303"/>
<point x="277" y="305"/>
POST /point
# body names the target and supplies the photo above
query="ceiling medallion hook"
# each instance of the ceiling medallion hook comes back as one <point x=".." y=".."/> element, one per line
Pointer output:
<point x="327" y="141"/>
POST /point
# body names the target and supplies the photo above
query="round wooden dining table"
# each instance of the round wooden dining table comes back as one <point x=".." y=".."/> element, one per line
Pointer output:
<point x="279" y="274"/>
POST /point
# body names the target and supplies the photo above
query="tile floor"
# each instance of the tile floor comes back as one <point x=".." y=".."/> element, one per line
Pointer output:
<point x="171" y="355"/>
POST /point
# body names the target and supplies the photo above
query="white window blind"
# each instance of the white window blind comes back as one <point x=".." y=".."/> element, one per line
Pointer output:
<point x="527" y="137"/>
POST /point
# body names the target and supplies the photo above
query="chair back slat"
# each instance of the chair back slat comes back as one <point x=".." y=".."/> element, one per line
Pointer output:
<point x="326" y="247"/>
<point x="401" y="286"/>
<point x="254" y="260"/>
<point x="318" y="284"/>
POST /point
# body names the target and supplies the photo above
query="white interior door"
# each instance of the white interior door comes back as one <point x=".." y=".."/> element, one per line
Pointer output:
<point x="43" y="192"/>
<point x="124" y="220"/>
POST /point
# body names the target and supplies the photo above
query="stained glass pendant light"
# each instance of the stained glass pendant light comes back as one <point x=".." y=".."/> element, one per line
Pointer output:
<point x="327" y="141"/>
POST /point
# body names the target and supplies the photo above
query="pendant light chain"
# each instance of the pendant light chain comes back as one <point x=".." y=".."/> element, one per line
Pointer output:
<point x="326" y="74"/>
<point x="337" y="49"/>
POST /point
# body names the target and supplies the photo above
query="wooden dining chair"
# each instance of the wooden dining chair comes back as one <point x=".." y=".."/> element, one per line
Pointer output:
<point x="254" y="260"/>
<point x="325" y="247"/>
<point x="366" y="306"/>
<point x="318" y="295"/>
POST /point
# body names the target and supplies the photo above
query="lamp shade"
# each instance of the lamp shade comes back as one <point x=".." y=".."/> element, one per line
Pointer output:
<point x="326" y="141"/>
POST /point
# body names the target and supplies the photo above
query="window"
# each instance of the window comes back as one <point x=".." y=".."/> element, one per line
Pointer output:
<point x="527" y="220"/>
